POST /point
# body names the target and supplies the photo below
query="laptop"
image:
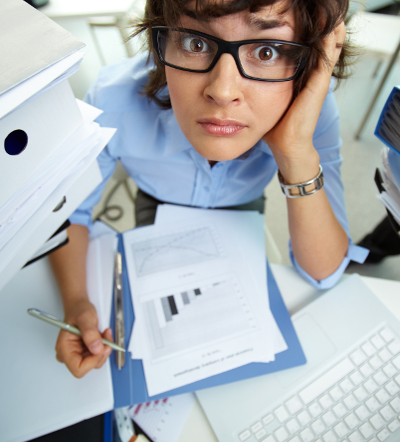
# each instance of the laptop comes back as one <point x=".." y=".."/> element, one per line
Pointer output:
<point x="348" y="390"/>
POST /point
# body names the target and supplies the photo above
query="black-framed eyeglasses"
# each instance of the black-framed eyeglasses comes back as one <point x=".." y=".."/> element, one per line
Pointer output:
<point x="262" y="60"/>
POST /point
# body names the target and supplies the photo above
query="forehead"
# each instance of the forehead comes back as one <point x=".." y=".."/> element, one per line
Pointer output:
<point x="275" y="18"/>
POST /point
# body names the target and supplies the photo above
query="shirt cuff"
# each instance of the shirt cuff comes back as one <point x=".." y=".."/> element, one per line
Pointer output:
<point x="81" y="218"/>
<point x="354" y="253"/>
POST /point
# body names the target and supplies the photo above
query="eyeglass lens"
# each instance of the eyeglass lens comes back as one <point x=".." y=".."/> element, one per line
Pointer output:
<point x="268" y="60"/>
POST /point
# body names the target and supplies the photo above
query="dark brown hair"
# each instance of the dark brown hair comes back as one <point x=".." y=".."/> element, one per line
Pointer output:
<point x="314" y="20"/>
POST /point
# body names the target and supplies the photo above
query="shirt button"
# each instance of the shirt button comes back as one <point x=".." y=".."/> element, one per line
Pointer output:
<point x="206" y="188"/>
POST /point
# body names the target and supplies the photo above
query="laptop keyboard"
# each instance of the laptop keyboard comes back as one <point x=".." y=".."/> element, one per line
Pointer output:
<point x="356" y="400"/>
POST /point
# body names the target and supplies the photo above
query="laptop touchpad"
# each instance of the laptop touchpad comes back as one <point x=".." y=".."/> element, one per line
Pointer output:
<point x="316" y="345"/>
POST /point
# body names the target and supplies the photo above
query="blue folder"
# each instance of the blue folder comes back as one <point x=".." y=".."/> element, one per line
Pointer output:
<point x="130" y="384"/>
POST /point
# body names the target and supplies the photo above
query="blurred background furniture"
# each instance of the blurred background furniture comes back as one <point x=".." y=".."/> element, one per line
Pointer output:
<point x="377" y="34"/>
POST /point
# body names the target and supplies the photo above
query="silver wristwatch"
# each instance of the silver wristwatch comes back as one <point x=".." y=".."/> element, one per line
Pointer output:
<point x="302" y="189"/>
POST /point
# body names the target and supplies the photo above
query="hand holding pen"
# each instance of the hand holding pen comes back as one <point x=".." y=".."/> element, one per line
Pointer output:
<point x="83" y="353"/>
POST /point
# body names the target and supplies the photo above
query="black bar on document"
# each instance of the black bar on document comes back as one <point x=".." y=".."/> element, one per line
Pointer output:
<point x="172" y="305"/>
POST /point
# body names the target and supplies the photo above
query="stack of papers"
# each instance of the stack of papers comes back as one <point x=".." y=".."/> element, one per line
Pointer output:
<point x="56" y="174"/>
<point x="199" y="292"/>
<point x="35" y="54"/>
<point x="388" y="131"/>
<point x="390" y="172"/>
<point x="50" y="139"/>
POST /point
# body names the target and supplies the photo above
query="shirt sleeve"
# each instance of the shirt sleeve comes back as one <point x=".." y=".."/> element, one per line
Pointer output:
<point x="106" y="163"/>
<point x="327" y="142"/>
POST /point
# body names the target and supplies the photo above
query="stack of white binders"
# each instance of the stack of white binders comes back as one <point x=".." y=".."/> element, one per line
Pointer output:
<point x="49" y="139"/>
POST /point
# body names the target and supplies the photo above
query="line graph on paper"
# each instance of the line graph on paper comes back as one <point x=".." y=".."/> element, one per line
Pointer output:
<point x="173" y="250"/>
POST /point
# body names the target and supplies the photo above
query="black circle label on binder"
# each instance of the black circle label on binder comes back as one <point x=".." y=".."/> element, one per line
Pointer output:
<point x="16" y="142"/>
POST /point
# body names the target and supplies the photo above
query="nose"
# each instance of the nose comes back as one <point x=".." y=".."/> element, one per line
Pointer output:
<point x="223" y="86"/>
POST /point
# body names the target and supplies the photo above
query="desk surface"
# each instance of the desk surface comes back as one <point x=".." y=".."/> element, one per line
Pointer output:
<point x="295" y="291"/>
<point x="85" y="8"/>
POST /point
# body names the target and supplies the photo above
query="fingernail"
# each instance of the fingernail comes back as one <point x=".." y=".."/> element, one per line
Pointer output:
<point x="95" y="347"/>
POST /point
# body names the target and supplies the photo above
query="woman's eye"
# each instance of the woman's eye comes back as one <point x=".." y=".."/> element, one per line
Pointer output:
<point x="194" y="44"/>
<point x="265" y="53"/>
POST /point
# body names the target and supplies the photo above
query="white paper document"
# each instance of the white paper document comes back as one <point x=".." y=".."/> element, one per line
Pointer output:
<point x="200" y="297"/>
<point x="163" y="420"/>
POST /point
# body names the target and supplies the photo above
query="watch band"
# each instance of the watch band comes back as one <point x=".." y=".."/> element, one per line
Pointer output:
<point x="302" y="189"/>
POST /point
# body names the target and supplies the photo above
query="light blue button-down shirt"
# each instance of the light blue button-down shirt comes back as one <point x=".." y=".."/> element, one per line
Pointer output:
<point x="156" y="154"/>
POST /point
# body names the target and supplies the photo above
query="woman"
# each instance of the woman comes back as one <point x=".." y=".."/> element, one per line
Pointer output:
<point x="207" y="123"/>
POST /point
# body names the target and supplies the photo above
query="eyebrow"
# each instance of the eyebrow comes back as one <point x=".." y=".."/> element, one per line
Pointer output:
<point x="263" y="24"/>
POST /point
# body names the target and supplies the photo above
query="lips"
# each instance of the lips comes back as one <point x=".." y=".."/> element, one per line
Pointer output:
<point x="222" y="128"/>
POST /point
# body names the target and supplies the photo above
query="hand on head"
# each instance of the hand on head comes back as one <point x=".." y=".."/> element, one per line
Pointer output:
<point x="82" y="354"/>
<point x="292" y="137"/>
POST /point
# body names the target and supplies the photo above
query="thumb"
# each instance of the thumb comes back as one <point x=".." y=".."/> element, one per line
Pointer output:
<point x="91" y="336"/>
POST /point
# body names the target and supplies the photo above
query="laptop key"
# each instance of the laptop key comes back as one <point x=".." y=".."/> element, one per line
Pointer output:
<point x="362" y="412"/>
<point x="395" y="403"/>
<point x="383" y="435"/>
<point x="318" y="427"/>
<point x="281" y="434"/>
<point x="366" y="430"/>
<point x="294" y="405"/>
<point x="329" y="418"/>
<point x="330" y="436"/>
<point x="382" y="396"/>
<point x="352" y="421"/>
<point x="315" y="409"/>
<point x="395" y="425"/>
<point x="369" y="349"/>
<point x="387" y="413"/>
<point x="387" y="335"/>
<point x="394" y="347"/>
<point x="360" y="394"/>
<point x="304" y="418"/>
<point x="326" y="381"/>
<point x="244" y="436"/>
<point x="392" y="388"/>
<point x="268" y="419"/>
<point x="307" y="435"/>
<point x="256" y="427"/>
<point x="389" y="370"/>
<point x="293" y="426"/>
<point x="281" y="414"/>
<point x="356" y="437"/>
<point x="341" y="429"/>
<point x="377" y="421"/>
<point x="260" y="434"/>
<point x="378" y="342"/>
<point x="358" y="357"/>
<point x="385" y="355"/>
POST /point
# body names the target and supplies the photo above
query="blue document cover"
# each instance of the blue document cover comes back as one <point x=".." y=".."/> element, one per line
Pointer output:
<point x="130" y="384"/>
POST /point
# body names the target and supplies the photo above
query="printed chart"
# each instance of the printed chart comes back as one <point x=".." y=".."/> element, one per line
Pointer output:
<point x="164" y="419"/>
<point x="174" y="250"/>
<point x="188" y="318"/>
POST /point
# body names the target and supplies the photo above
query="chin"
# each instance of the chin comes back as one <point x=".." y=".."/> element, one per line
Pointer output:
<point x="220" y="151"/>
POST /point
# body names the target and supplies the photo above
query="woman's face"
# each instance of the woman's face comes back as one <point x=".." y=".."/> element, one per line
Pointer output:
<point x="221" y="113"/>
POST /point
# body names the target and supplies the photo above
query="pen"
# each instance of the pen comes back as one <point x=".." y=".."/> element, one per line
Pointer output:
<point x="119" y="309"/>
<point x="69" y="328"/>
